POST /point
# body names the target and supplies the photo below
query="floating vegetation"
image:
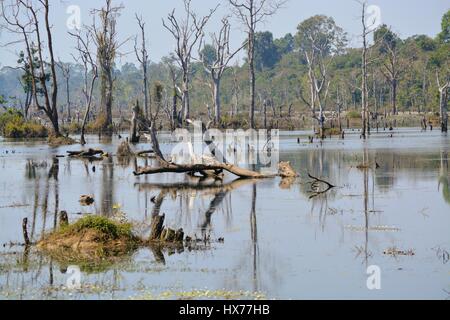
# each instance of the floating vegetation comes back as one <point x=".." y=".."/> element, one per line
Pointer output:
<point x="374" y="228"/>
<point x="90" y="240"/>
<point x="442" y="254"/>
<point x="203" y="295"/>
<point x="86" y="200"/>
<point x="124" y="150"/>
<point x="55" y="141"/>
<point x="394" y="252"/>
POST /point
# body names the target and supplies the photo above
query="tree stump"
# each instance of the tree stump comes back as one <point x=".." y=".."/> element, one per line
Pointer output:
<point x="25" y="231"/>
<point x="156" y="227"/>
<point x="63" y="219"/>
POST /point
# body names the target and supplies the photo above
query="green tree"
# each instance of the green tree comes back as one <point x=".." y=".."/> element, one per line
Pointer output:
<point x="266" y="54"/>
<point x="444" y="36"/>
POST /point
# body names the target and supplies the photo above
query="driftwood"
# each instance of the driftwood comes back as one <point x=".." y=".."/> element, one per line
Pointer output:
<point x="90" y="153"/>
<point x="156" y="227"/>
<point x="214" y="168"/>
<point x="25" y="232"/>
<point x="63" y="219"/>
<point x="164" y="235"/>
<point x="86" y="200"/>
<point x="199" y="168"/>
<point x="315" y="186"/>
<point x="145" y="153"/>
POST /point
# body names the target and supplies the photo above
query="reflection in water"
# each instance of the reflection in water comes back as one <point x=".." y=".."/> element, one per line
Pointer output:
<point x="107" y="187"/>
<point x="305" y="254"/>
<point x="444" y="177"/>
<point x="254" y="237"/>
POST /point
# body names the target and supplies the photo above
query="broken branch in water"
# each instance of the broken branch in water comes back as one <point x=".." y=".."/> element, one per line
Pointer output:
<point x="315" y="186"/>
<point x="90" y="153"/>
<point x="285" y="170"/>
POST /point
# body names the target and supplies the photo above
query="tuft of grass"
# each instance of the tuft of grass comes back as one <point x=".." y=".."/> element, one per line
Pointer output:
<point x="110" y="229"/>
<point x="353" y="114"/>
<point x="14" y="125"/>
<point x="332" y="132"/>
<point x="56" y="141"/>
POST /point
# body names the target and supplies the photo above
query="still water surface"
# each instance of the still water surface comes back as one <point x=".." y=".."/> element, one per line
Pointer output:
<point x="279" y="243"/>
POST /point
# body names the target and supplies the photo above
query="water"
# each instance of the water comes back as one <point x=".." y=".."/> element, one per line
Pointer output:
<point x="279" y="242"/>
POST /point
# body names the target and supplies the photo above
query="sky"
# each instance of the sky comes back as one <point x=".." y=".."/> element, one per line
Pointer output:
<point x="406" y="17"/>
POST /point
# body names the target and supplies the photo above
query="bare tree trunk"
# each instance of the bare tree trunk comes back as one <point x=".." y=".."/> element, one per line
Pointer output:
<point x="251" y="59"/>
<point x="174" y="109"/>
<point x="443" y="99"/>
<point x="217" y="104"/>
<point x="142" y="57"/>
<point x="134" y="124"/>
<point x="68" y="98"/>
<point x="394" y="96"/>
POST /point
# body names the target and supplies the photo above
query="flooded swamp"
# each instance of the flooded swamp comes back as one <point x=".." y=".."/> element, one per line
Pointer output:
<point x="265" y="239"/>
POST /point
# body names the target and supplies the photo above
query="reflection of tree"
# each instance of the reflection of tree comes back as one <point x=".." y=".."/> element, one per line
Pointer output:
<point x="444" y="179"/>
<point x="107" y="188"/>
<point x="254" y="236"/>
<point x="366" y="206"/>
<point x="215" y="203"/>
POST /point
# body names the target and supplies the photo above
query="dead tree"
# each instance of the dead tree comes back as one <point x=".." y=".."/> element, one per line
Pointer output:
<point x="251" y="13"/>
<point x="90" y="75"/>
<point x="367" y="29"/>
<point x="23" y="17"/>
<point x="392" y="67"/>
<point x="134" y="123"/>
<point x="105" y="39"/>
<point x="65" y="69"/>
<point x="320" y="40"/>
<point x="187" y="33"/>
<point x="236" y="93"/>
<point x="206" y="165"/>
<point x="216" y="68"/>
<point x="175" y="117"/>
<point x="142" y="57"/>
<point x="443" y="100"/>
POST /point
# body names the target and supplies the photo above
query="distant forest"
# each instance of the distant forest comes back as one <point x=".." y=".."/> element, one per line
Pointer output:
<point x="402" y="76"/>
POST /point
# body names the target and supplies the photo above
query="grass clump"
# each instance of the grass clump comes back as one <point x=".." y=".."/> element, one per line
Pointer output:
<point x="109" y="228"/>
<point x="56" y="141"/>
<point x="92" y="240"/>
<point x="354" y="114"/>
<point x="332" y="132"/>
<point x="124" y="150"/>
<point x="14" y="125"/>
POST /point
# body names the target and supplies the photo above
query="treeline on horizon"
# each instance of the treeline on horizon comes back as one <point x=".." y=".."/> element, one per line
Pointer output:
<point x="402" y="75"/>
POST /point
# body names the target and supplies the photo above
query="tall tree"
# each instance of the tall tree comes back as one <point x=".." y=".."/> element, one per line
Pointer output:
<point x="187" y="33"/>
<point x="368" y="27"/>
<point x="23" y="17"/>
<point x="90" y="74"/>
<point x="392" y="64"/>
<point x="319" y="40"/>
<point x="216" y="63"/>
<point x="105" y="39"/>
<point x="266" y="53"/>
<point x="251" y="13"/>
<point x="142" y="56"/>
<point x="65" y="69"/>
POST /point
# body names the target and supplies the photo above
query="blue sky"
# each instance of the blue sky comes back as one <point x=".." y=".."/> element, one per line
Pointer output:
<point x="406" y="17"/>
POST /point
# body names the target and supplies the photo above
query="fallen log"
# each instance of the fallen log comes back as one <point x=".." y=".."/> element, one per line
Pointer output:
<point x="145" y="153"/>
<point x="284" y="168"/>
<point x="199" y="168"/>
<point x="90" y="153"/>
